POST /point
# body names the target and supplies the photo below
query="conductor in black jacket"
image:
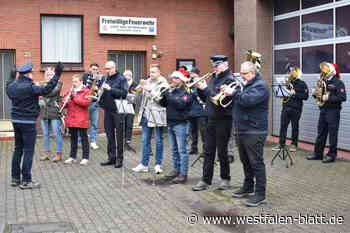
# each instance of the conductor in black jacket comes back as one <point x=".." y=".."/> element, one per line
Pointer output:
<point x="24" y="95"/>
<point x="219" y="125"/>
<point x="292" y="108"/>
<point x="115" y="87"/>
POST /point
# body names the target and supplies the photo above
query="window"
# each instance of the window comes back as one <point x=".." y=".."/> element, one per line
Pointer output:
<point x="286" y="58"/>
<point x="312" y="3"/>
<point x="189" y="63"/>
<point x="307" y="37"/>
<point x="61" y="39"/>
<point x="283" y="6"/>
<point x="342" y="21"/>
<point x="343" y="57"/>
<point x="287" y="31"/>
<point x="317" y="26"/>
<point x="313" y="56"/>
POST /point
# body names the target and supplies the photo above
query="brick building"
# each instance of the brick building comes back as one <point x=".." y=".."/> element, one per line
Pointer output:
<point x="301" y="32"/>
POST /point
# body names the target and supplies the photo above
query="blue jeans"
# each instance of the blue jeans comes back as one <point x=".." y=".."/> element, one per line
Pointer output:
<point x="25" y="136"/>
<point x="177" y="139"/>
<point x="146" y="143"/>
<point x="56" y="128"/>
<point x="93" y="116"/>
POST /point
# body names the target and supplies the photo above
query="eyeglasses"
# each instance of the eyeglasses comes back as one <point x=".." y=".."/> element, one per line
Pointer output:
<point x="244" y="73"/>
<point x="107" y="68"/>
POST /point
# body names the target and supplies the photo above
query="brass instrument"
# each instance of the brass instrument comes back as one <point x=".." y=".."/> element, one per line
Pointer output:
<point x="294" y="74"/>
<point x="94" y="89"/>
<point x="190" y="85"/>
<point x="321" y="85"/>
<point x="156" y="93"/>
<point x="220" y="98"/>
<point x="62" y="115"/>
<point x="255" y="58"/>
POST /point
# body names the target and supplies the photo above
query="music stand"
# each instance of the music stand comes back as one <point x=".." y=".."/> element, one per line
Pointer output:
<point x="280" y="90"/>
<point x="123" y="108"/>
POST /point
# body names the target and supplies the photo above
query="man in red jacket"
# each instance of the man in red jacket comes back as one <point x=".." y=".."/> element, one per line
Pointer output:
<point x="77" y="119"/>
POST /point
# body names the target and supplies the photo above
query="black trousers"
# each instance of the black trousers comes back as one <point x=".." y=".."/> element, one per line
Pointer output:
<point x="129" y="123"/>
<point x="251" y="148"/>
<point x="74" y="133"/>
<point x="113" y="124"/>
<point x="25" y="137"/>
<point x="218" y="134"/>
<point x="328" y="123"/>
<point x="290" y="115"/>
<point x="198" y="124"/>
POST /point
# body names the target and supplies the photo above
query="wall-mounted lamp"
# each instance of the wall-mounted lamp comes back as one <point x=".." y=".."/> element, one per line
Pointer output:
<point x="155" y="53"/>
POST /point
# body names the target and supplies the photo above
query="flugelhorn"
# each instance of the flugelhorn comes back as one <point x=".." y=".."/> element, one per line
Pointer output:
<point x="220" y="99"/>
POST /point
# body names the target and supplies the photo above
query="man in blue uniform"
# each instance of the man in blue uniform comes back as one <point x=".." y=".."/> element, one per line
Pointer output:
<point x="219" y="125"/>
<point x="330" y="107"/>
<point x="24" y="95"/>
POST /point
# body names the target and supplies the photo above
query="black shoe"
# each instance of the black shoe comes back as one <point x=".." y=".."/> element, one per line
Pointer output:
<point x="314" y="157"/>
<point x="328" y="159"/>
<point x="108" y="163"/>
<point x="119" y="164"/>
<point x="193" y="152"/>
<point x="255" y="201"/>
<point x="179" y="180"/>
<point x="15" y="182"/>
<point x="243" y="192"/>
<point x="30" y="185"/>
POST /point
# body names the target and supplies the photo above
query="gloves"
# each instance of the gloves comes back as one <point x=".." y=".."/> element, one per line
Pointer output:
<point x="325" y="97"/>
<point x="59" y="69"/>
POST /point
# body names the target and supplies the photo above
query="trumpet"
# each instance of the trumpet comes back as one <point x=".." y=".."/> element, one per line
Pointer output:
<point x="190" y="85"/>
<point x="220" y="98"/>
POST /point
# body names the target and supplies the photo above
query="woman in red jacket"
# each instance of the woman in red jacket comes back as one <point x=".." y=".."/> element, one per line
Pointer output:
<point x="77" y="119"/>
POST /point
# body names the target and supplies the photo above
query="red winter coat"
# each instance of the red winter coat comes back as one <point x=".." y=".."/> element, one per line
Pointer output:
<point x="77" y="109"/>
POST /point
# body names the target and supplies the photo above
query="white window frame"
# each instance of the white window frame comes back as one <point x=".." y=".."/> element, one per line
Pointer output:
<point x="299" y="13"/>
<point x="81" y="38"/>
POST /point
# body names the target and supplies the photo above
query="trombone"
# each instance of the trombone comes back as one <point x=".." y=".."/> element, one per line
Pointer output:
<point x="189" y="85"/>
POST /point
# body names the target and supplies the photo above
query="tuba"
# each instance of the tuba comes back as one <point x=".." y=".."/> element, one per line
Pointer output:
<point x="293" y="74"/>
<point x="321" y="85"/>
<point x="255" y="58"/>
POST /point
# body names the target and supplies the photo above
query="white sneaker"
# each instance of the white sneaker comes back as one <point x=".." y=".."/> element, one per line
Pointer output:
<point x="140" y="168"/>
<point x="158" y="169"/>
<point x="94" y="146"/>
<point x="84" y="162"/>
<point x="70" y="160"/>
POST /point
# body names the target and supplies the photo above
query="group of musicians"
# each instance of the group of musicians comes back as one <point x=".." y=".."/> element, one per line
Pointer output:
<point x="212" y="104"/>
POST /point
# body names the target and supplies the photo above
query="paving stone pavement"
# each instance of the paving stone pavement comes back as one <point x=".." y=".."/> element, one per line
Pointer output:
<point x="105" y="199"/>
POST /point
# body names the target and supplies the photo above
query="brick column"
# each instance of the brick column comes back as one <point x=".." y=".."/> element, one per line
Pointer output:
<point x="253" y="30"/>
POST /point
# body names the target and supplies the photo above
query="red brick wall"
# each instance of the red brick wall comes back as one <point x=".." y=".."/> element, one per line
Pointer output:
<point x="186" y="29"/>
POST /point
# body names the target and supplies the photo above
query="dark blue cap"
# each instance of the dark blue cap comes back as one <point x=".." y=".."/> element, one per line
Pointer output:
<point x="25" y="68"/>
<point x="217" y="59"/>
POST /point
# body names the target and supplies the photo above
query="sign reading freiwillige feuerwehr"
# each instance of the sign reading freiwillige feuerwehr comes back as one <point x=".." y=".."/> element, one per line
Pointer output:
<point x="128" y="25"/>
